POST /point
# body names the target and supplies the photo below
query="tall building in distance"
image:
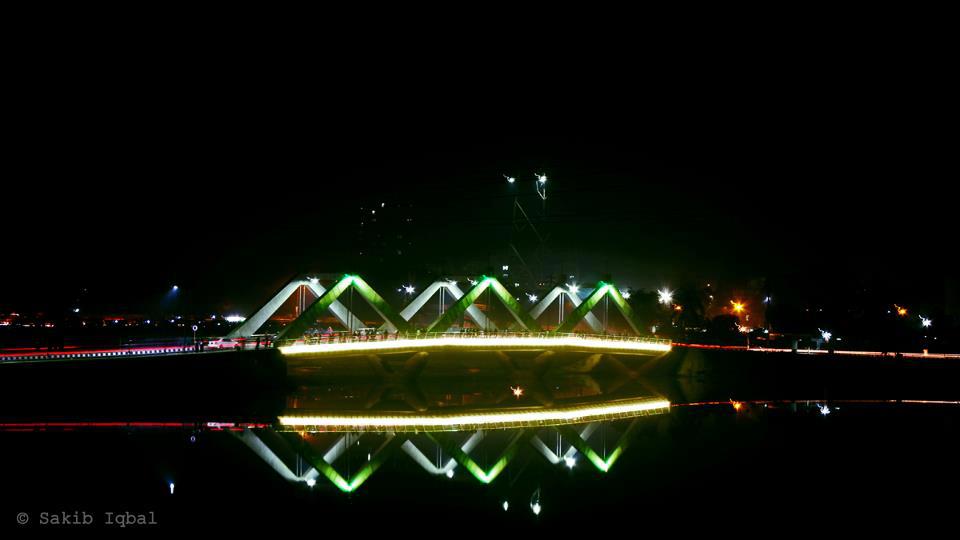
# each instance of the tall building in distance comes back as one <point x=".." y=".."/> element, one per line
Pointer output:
<point x="385" y="233"/>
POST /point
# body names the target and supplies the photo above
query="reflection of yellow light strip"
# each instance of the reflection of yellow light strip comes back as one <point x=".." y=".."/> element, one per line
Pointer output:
<point x="443" y="422"/>
<point x="571" y="342"/>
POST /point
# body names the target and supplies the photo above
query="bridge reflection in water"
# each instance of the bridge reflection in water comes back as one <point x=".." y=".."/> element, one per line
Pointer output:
<point x="449" y="411"/>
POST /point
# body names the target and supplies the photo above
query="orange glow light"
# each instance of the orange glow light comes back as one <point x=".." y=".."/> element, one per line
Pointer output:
<point x="737" y="405"/>
<point x="517" y="392"/>
<point x="901" y="311"/>
<point x="738" y="307"/>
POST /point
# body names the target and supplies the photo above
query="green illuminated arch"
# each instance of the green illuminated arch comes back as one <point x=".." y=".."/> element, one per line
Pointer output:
<point x="453" y="314"/>
<point x="320" y="305"/>
<point x="591" y="301"/>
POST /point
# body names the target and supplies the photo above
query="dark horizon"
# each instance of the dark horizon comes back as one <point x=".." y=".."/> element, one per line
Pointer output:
<point x="127" y="196"/>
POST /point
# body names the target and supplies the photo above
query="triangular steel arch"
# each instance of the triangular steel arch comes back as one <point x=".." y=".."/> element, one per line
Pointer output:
<point x="592" y="300"/>
<point x="450" y="316"/>
<point x="557" y="293"/>
<point x="300" y="324"/>
<point x="254" y="322"/>
<point x="454" y="290"/>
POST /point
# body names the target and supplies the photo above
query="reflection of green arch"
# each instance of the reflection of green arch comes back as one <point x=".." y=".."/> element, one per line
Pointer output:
<point x="603" y="289"/>
<point x="475" y="469"/>
<point x="453" y="314"/>
<point x="370" y="467"/>
<point x="602" y="465"/>
<point x="321" y="304"/>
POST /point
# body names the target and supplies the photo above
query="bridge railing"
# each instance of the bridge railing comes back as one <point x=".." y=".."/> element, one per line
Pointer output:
<point x="355" y="337"/>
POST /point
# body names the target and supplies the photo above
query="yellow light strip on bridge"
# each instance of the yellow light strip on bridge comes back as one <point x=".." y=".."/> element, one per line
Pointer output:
<point x="439" y="422"/>
<point x="571" y="342"/>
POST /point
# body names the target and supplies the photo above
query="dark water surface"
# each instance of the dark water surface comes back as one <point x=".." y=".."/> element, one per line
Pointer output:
<point x="816" y="454"/>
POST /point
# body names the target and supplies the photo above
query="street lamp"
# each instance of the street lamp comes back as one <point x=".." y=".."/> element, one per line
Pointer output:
<point x="665" y="296"/>
<point x="826" y="335"/>
<point x="541" y="185"/>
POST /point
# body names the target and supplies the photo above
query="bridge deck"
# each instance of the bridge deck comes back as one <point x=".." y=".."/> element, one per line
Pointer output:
<point x="487" y="342"/>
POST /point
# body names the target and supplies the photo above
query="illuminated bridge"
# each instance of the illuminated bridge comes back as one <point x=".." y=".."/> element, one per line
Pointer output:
<point x="463" y="325"/>
<point x="447" y="329"/>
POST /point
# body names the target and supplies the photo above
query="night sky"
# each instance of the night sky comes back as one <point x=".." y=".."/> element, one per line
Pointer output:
<point x="229" y="184"/>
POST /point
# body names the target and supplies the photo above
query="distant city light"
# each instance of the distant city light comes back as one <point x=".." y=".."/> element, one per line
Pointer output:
<point x="234" y="318"/>
<point x="409" y="289"/>
<point x="450" y="473"/>
<point x="925" y="321"/>
<point x="767" y="300"/>
<point x="311" y="482"/>
<point x="738" y="306"/>
<point x="824" y="409"/>
<point x="505" y="267"/>
<point x="176" y="288"/>
<point x="901" y="311"/>
<point x="314" y="280"/>
<point x="625" y="294"/>
<point x="510" y="179"/>
<point x="542" y="178"/>
<point x="76" y="310"/>
<point x="665" y="296"/>
<point x="532" y="297"/>
<point x="737" y="405"/>
<point x="536" y="508"/>
<point x="517" y="392"/>
<point x="171" y="488"/>
<point x="506" y="505"/>
<point x="570" y="462"/>
<point x="573" y="288"/>
<point x="472" y="281"/>
<point x="826" y="335"/>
